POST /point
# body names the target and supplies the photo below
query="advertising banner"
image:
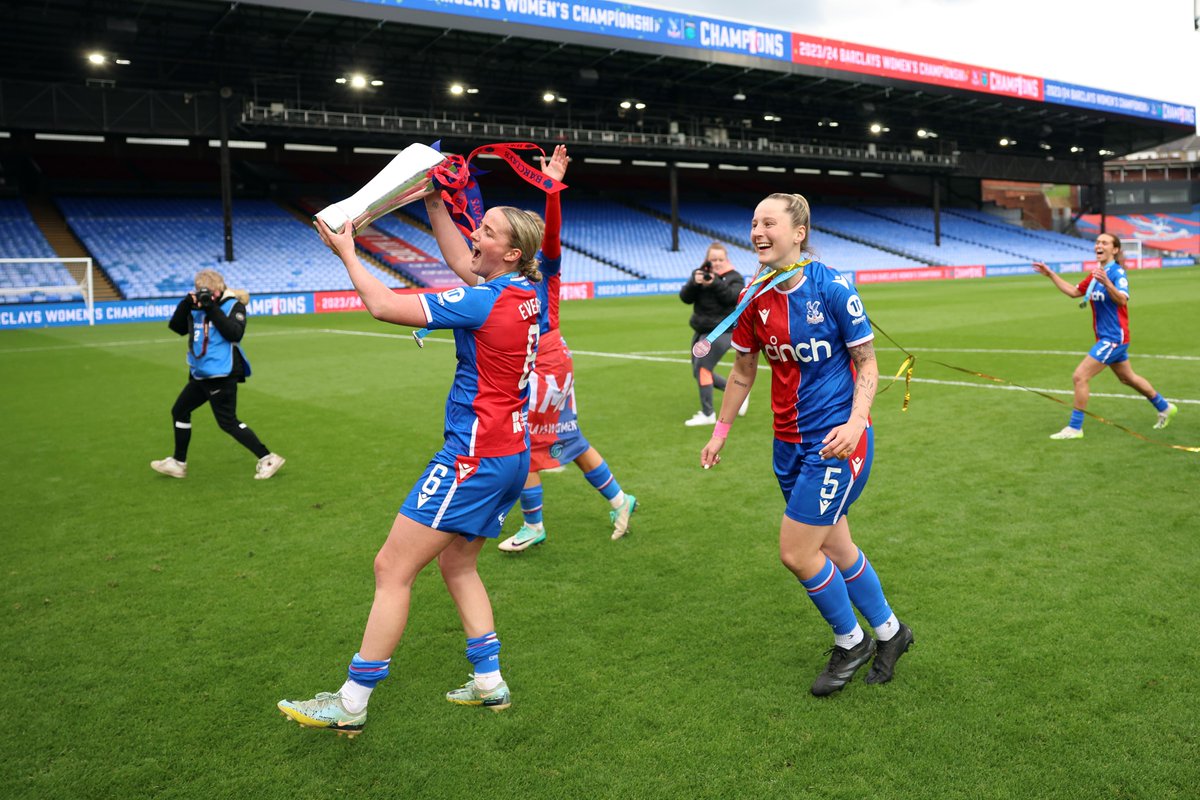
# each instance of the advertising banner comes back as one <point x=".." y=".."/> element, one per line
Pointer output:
<point x="51" y="315"/>
<point x="833" y="54"/>
<point x="618" y="19"/>
<point x="1069" y="94"/>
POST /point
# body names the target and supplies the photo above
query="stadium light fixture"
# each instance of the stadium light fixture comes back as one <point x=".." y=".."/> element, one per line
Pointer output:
<point x="548" y="97"/>
<point x="456" y="89"/>
<point x="1007" y="142"/>
<point x="1076" y="148"/>
<point x="97" y="58"/>
<point x="772" y="118"/>
<point x="925" y="133"/>
<point x="878" y="128"/>
<point x="639" y="106"/>
<point x="358" y="81"/>
<point x="1044" y="145"/>
<point x="472" y="90"/>
<point x="377" y="82"/>
<point x="625" y="104"/>
<point x="124" y="62"/>
<point x="739" y="96"/>
<point x="1104" y="152"/>
<point x="561" y="99"/>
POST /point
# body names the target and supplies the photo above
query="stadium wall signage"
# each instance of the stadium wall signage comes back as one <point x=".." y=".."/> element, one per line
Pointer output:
<point x="679" y="29"/>
<point x="57" y="315"/>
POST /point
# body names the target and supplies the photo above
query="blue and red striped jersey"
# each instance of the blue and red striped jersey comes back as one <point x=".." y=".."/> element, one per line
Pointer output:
<point x="495" y="335"/>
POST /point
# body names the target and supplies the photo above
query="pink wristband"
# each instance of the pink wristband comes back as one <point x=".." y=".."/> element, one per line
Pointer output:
<point x="721" y="430"/>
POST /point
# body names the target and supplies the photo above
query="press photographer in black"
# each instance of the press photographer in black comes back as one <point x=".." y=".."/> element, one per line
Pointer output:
<point x="213" y="317"/>
<point x="712" y="291"/>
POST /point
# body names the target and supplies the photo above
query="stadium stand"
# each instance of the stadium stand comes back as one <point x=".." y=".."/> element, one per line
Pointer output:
<point x="577" y="264"/>
<point x="986" y="230"/>
<point x="153" y="247"/>
<point x="20" y="238"/>
<point x="729" y="222"/>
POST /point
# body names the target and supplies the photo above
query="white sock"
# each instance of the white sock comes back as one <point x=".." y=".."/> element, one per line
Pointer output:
<point x="851" y="639"/>
<point x="487" y="681"/>
<point x="888" y="629"/>
<point x="534" y="526"/>
<point x="617" y="500"/>
<point x="355" y="696"/>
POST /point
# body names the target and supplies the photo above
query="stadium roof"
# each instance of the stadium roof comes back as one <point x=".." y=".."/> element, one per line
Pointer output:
<point x="291" y="54"/>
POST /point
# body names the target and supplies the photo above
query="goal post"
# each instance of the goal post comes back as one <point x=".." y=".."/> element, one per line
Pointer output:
<point x="1132" y="254"/>
<point x="83" y="285"/>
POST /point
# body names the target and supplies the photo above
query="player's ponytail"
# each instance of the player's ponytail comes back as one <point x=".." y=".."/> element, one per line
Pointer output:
<point x="527" y="228"/>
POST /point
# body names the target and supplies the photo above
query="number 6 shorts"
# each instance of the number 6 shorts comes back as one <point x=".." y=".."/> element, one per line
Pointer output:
<point x="819" y="491"/>
<point x="467" y="495"/>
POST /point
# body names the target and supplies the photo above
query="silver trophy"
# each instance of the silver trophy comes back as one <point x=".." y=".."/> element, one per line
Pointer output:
<point x="402" y="181"/>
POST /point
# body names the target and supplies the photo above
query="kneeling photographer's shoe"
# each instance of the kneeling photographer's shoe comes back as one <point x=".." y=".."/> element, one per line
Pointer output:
<point x="267" y="466"/>
<point x="169" y="466"/>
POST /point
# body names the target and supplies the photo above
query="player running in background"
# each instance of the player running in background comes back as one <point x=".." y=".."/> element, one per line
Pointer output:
<point x="816" y="336"/>
<point x="470" y="484"/>
<point x="1107" y="289"/>
<point x="554" y="435"/>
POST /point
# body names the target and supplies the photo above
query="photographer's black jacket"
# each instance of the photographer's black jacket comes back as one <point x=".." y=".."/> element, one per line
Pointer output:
<point x="232" y="326"/>
<point x="713" y="302"/>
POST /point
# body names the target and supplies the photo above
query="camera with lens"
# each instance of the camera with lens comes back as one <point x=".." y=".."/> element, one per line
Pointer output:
<point x="204" y="297"/>
<point x="706" y="268"/>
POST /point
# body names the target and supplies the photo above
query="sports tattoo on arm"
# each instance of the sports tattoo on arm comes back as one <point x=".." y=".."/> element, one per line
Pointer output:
<point x="863" y="356"/>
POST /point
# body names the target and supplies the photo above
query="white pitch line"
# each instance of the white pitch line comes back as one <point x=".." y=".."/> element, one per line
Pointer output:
<point x="1076" y="353"/>
<point x="650" y="356"/>
<point x="134" y="343"/>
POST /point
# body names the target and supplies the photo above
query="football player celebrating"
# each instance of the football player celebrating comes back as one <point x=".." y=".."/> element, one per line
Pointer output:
<point x="461" y="499"/>
<point x="554" y="435"/>
<point x="810" y="323"/>
<point x="1107" y="289"/>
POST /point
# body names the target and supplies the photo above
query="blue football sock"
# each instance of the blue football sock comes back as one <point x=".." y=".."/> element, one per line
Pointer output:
<point x="827" y="590"/>
<point x="1076" y="419"/>
<point x="367" y="673"/>
<point x="1159" y="402"/>
<point x="484" y="653"/>
<point x="602" y="478"/>
<point x="531" y="505"/>
<point x="866" y="592"/>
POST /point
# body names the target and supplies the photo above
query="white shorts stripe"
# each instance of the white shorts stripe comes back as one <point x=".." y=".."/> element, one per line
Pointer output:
<point x="445" y="503"/>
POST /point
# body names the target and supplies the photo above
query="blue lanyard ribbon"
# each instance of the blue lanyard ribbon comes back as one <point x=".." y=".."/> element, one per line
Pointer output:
<point x="769" y="279"/>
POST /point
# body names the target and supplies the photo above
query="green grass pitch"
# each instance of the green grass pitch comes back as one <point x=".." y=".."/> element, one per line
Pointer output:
<point x="150" y="624"/>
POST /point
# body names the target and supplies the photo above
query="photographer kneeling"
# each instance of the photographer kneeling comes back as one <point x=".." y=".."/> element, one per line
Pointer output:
<point x="214" y="319"/>
<point x="713" y="290"/>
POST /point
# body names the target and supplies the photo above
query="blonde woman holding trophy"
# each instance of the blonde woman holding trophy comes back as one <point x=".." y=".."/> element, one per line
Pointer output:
<point x="460" y="500"/>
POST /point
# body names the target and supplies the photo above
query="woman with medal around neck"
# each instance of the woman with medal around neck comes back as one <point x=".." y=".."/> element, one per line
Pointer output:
<point x="809" y="322"/>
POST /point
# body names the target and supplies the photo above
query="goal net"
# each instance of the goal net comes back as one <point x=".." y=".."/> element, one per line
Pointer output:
<point x="44" y="280"/>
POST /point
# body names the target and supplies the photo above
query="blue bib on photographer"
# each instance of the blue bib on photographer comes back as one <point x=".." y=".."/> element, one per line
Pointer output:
<point x="210" y="355"/>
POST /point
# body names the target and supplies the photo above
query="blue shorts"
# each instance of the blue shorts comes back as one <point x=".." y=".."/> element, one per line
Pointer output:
<point x="819" y="491"/>
<point x="467" y="495"/>
<point x="1109" y="352"/>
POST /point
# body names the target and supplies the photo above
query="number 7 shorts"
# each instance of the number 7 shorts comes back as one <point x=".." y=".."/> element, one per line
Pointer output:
<point x="819" y="491"/>
<point x="467" y="495"/>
